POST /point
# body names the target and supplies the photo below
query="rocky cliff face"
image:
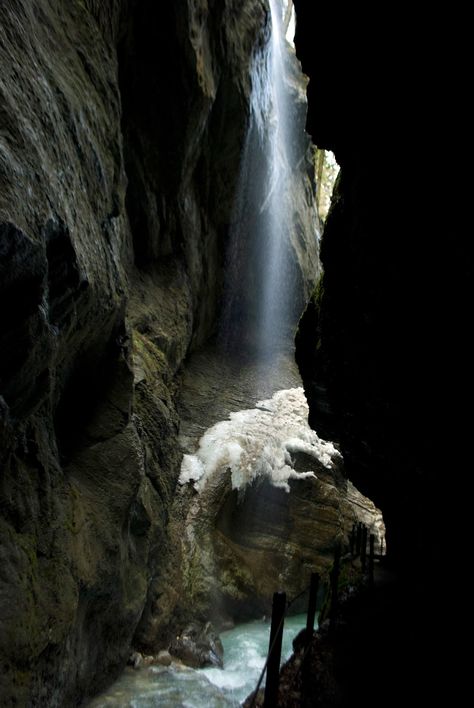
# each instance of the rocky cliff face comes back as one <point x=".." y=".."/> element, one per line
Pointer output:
<point x="263" y="501"/>
<point x="382" y="347"/>
<point x="369" y="339"/>
<point x="121" y="126"/>
<point x="72" y="580"/>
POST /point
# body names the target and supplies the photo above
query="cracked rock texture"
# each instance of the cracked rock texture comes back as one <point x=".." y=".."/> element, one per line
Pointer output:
<point x="263" y="503"/>
<point x="121" y="128"/>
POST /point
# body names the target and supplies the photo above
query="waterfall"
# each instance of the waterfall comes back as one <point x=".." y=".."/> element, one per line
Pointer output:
<point x="276" y="290"/>
<point x="263" y="283"/>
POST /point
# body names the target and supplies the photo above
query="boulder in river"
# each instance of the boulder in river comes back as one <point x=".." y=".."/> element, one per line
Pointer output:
<point x="198" y="646"/>
<point x="163" y="658"/>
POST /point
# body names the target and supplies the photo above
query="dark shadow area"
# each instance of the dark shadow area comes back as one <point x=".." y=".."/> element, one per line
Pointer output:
<point x="23" y="333"/>
<point x="372" y="657"/>
<point x="95" y="403"/>
<point x="64" y="279"/>
<point x="155" y="108"/>
<point x="382" y="342"/>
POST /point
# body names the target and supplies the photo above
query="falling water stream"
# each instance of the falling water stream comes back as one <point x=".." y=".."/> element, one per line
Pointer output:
<point x="276" y="292"/>
<point x="260" y="290"/>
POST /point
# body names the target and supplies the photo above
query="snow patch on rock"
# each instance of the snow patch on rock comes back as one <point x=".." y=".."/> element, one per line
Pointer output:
<point x="259" y="442"/>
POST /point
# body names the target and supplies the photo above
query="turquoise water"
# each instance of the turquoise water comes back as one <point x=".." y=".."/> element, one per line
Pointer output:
<point x="245" y="650"/>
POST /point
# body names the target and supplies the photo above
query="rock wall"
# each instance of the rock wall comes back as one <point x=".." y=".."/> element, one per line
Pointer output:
<point x="382" y="347"/>
<point x="369" y="340"/>
<point x="72" y="581"/>
<point x="121" y="126"/>
<point x="263" y="502"/>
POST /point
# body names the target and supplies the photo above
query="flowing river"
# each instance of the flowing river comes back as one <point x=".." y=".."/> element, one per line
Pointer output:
<point x="245" y="650"/>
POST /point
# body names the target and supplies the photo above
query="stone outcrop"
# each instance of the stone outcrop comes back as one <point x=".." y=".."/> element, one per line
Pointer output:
<point x="198" y="646"/>
<point x="121" y="127"/>
<point x="73" y="577"/>
<point x="263" y="502"/>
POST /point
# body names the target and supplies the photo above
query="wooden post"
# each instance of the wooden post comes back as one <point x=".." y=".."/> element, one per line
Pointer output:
<point x="352" y="539"/>
<point x="371" y="560"/>
<point x="274" y="650"/>
<point x="358" y="538"/>
<point x="334" y="584"/>
<point x="363" y="549"/>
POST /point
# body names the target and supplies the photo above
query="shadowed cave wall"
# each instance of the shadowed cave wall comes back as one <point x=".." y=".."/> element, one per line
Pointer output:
<point x="381" y="346"/>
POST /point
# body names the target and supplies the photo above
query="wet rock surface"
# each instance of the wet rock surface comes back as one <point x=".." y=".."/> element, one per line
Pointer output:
<point x="216" y="383"/>
<point x="71" y="582"/>
<point x="121" y="127"/>
<point x="261" y="504"/>
<point x="198" y="646"/>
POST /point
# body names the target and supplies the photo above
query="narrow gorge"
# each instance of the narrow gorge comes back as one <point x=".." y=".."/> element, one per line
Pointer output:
<point x="194" y="370"/>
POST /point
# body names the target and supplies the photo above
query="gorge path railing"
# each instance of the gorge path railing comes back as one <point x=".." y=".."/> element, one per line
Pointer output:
<point x="280" y="607"/>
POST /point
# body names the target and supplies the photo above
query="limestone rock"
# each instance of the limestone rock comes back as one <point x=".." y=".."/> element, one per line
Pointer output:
<point x="163" y="658"/>
<point x="135" y="660"/>
<point x="121" y="130"/>
<point x="272" y="502"/>
<point x="72" y="588"/>
<point x="198" y="646"/>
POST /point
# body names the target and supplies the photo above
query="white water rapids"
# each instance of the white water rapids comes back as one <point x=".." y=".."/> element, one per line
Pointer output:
<point x="245" y="650"/>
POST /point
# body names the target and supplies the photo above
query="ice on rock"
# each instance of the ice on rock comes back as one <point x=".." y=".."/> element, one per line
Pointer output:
<point x="259" y="442"/>
<point x="192" y="469"/>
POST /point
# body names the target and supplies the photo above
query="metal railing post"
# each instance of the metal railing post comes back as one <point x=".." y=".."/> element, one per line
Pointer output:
<point x="274" y="650"/>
